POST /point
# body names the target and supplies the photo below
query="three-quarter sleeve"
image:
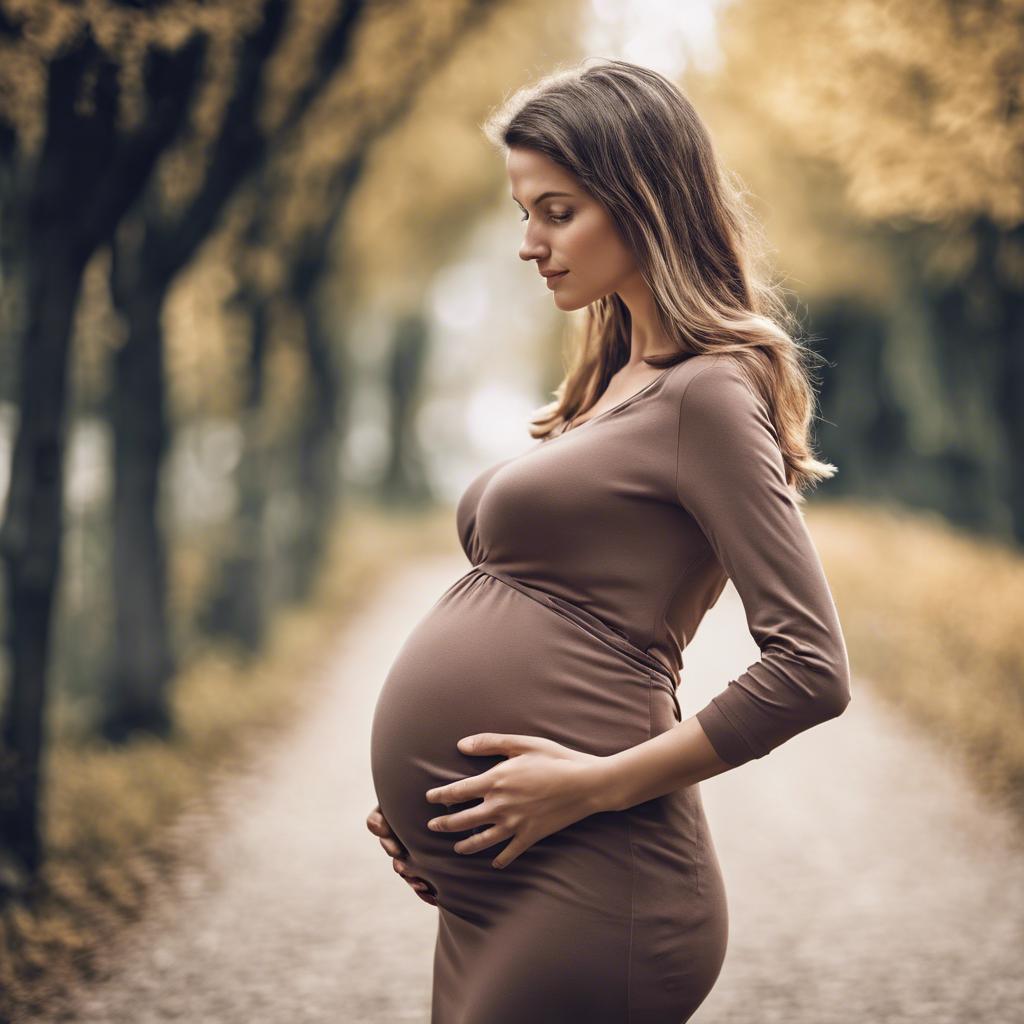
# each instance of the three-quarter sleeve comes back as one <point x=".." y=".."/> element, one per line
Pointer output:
<point x="730" y="477"/>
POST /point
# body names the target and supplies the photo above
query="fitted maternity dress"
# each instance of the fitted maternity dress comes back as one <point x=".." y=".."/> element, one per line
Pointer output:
<point x="594" y="555"/>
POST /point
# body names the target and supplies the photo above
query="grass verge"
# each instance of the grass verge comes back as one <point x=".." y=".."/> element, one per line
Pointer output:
<point x="933" y="621"/>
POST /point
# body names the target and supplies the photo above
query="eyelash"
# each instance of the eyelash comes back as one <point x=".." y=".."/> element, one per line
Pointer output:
<point x="554" y="218"/>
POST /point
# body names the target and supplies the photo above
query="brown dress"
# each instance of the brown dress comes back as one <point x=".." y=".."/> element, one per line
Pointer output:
<point x="595" y="555"/>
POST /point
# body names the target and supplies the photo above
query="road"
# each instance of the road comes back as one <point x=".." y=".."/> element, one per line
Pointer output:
<point x="867" y="881"/>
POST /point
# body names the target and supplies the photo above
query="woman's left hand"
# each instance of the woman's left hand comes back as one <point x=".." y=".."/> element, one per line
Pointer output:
<point x="541" y="788"/>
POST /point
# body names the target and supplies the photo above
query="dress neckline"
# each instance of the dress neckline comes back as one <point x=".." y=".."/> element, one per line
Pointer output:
<point x="628" y="399"/>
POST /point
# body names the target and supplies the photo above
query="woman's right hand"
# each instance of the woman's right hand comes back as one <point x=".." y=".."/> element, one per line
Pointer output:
<point x="378" y="825"/>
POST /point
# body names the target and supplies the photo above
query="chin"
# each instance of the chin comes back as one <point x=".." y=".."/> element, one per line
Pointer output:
<point x="567" y="304"/>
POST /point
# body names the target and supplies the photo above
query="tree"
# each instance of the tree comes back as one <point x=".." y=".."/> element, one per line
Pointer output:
<point x="71" y="170"/>
<point x="915" y="110"/>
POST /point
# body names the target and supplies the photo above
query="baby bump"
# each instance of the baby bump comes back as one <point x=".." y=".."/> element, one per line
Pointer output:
<point x="489" y="658"/>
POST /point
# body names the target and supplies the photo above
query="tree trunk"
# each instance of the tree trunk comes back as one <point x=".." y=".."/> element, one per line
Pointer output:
<point x="30" y="539"/>
<point x="405" y="478"/>
<point x="1010" y="385"/>
<point x="239" y="606"/>
<point x="136" y="697"/>
<point x="318" y="451"/>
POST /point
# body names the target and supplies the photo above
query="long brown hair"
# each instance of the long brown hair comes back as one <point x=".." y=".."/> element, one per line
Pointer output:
<point x="638" y="146"/>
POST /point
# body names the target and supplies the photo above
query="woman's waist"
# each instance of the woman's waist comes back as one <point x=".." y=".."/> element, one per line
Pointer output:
<point x="599" y="628"/>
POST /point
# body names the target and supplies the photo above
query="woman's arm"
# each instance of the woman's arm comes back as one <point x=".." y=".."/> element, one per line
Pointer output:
<point x="677" y="758"/>
<point x="730" y="477"/>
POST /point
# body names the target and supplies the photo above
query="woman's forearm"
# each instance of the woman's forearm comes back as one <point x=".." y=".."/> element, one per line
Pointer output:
<point x="672" y="760"/>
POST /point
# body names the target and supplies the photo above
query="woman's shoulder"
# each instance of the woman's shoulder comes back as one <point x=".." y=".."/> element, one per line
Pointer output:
<point x="719" y="404"/>
<point x="710" y="377"/>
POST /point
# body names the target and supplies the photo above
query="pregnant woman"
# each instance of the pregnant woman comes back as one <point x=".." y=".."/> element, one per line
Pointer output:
<point x="535" y="779"/>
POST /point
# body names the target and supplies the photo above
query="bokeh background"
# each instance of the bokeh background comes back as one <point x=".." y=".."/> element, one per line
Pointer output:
<point x="262" y="318"/>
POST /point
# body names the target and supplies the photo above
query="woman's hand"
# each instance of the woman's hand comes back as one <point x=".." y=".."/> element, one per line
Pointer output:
<point x="541" y="788"/>
<point x="378" y="825"/>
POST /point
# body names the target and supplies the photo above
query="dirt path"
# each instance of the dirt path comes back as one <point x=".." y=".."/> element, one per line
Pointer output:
<point x="866" y="881"/>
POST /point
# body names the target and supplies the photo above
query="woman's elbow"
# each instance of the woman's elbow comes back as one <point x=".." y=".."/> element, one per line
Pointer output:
<point x="833" y="692"/>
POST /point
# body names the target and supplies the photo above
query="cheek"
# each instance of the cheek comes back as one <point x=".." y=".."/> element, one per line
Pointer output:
<point x="595" y="253"/>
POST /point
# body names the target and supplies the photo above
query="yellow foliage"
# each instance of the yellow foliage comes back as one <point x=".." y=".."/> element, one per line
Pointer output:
<point x="433" y="176"/>
<point x="914" y="103"/>
<point x="124" y="32"/>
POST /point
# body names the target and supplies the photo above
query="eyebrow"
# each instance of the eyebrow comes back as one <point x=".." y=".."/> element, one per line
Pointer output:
<point x="543" y="196"/>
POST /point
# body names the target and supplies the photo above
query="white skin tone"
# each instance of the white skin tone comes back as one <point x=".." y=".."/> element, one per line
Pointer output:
<point x="542" y="786"/>
<point x="575" y="232"/>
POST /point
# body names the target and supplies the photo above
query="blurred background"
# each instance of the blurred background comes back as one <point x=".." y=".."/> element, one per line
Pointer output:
<point x="262" y="318"/>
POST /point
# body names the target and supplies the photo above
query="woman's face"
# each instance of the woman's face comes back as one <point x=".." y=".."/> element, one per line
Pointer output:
<point x="567" y="230"/>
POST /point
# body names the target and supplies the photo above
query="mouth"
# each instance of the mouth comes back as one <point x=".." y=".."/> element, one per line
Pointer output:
<point x="550" y="281"/>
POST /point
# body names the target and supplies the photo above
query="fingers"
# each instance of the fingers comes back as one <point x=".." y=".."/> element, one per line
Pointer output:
<point x="402" y="867"/>
<point x="463" y="821"/>
<point x="378" y="824"/>
<point x="464" y="790"/>
<point x="481" y="840"/>
<point x="393" y="848"/>
<point x="420" y="886"/>
<point x="414" y="880"/>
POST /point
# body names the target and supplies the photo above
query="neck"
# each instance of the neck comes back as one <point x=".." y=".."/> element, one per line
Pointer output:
<point x="646" y="337"/>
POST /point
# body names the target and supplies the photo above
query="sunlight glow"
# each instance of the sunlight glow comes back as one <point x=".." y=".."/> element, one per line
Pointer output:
<point x="496" y="416"/>
<point x="460" y="296"/>
<point x="666" y="35"/>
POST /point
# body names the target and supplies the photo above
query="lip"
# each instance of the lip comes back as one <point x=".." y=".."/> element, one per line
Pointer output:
<point x="550" y="278"/>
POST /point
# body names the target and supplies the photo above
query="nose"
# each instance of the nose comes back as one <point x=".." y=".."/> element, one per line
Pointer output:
<point x="532" y="248"/>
